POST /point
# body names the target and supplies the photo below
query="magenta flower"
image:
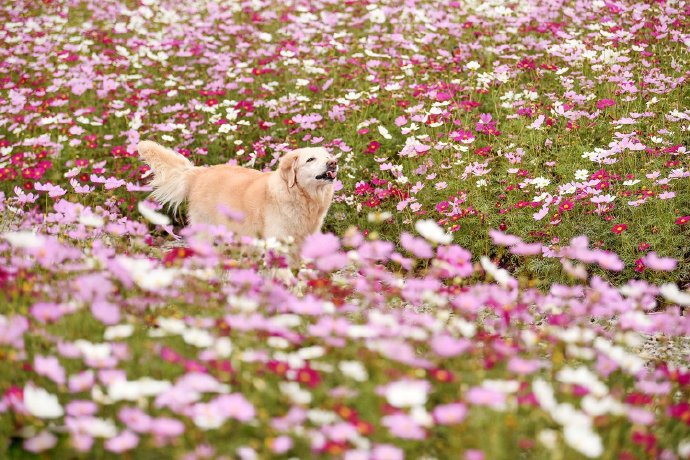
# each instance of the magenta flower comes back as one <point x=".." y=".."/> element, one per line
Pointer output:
<point x="604" y="103"/>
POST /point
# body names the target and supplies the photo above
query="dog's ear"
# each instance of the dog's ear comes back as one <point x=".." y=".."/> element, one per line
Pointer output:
<point x="288" y="168"/>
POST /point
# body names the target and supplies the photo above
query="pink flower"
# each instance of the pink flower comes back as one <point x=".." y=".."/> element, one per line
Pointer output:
<point x="135" y="419"/>
<point x="167" y="427"/>
<point x="502" y="239"/>
<point x="80" y="408"/>
<point x="401" y="120"/>
<point x="527" y="249"/>
<point x="403" y="426"/>
<point x="450" y="414"/>
<point x="235" y="406"/>
<point x="417" y="246"/>
<point x="386" y="452"/>
<point x="447" y="346"/>
<point x="281" y="444"/>
<point x="307" y="121"/>
<point x="376" y="250"/>
<point x="320" y="245"/>
<point x="122" y="442"/>
<point x="474" y="454"/>
<point x="481" y="396"/>
<point x="82" y="442"/>
<point x="521" y="366"/>
<point x="49" y="366"/>
<point x="609" y="261"/>
<point x="42" y="441"/>
<point x="455" y="261"/>
<point x="654" y="262"/>
<point x="105" y="312"/>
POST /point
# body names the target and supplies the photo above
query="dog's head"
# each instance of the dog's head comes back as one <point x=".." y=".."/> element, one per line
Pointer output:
<point x="309" y="168"/>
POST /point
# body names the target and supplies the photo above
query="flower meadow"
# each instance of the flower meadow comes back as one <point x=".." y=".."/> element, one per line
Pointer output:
<point x="502" y="273"/>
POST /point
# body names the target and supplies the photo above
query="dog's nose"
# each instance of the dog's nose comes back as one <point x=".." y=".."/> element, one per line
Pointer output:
<point x="333" y="164"/>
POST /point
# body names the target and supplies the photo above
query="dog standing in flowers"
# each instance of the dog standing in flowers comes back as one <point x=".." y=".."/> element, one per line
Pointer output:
<point x="289" y="203"/>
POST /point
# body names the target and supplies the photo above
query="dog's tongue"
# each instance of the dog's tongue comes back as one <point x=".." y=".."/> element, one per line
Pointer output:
<point x="331" y="174"/>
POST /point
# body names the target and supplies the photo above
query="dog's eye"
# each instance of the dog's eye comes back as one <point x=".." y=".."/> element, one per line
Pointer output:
<point x="311" y="159"/>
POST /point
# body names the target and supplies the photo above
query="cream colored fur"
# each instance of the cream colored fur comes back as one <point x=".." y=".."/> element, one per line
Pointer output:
<point x="287" y="202"/>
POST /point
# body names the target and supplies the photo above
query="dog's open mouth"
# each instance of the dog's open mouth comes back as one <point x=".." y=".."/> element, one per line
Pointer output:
<point x="328" y="175"/>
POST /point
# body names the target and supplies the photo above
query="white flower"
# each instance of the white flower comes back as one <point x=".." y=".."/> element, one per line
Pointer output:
<point x="354" y="369"/>
<point x="93" y="351"/>
<point x="208" y="416"/>
<point x="384" y="132"/>
<point x="501" y="275"/>
<point x="132" y="390"/>
<point x="631" y="182"/>
<point x="671" y="293"/>
<point x="599" y="406"/>
<point x="24" y="239"/>
<point x="379" y="217"/>
<point x="433" y="232"/>
<point x="171" y="325"/>
<point x="407" y="393"/>
<point x="311" y="352"/>
<point x="420" y="415"/>
<point x="377" y="16"/>
<point x="152" y="216"/>
<point x="472" y="65"/>
<point x="198" y="337"/>
<point x="581" y="174"/>
<point x="144" y="275"/>
<point x="321" y="417"/>
<point x="543" y="392"/>
<point x="540" y="182"/>
<point x="96" y="427"/>
<point x="583" y="377"/>
<point x="91" y="220"/>
<point x="548" y="438"/>
<point x="223" y="347"/>
<point x="121" y="331"/>
<point x="583" y="439"/>
<point x="41" y="404"/>
<point x="684" y="448"/>
<point x="296" y="394"/>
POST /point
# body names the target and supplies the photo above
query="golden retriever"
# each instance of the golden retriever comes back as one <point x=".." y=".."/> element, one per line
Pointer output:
<point x="291" y="201"/>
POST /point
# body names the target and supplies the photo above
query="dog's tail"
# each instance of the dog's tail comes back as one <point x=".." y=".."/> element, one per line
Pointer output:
<point x="171" y="173"/>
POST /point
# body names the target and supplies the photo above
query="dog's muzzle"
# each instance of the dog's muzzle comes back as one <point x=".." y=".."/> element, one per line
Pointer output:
<point x="329" y="174"/>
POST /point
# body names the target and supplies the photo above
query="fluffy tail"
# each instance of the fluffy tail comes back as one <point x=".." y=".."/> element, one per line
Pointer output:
<point x="171" y="173"/>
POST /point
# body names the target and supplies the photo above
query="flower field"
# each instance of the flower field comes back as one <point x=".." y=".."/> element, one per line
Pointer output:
<point x="501" y="275"/>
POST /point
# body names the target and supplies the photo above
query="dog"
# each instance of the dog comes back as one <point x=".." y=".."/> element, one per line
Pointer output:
<point x="288" y="203"/>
